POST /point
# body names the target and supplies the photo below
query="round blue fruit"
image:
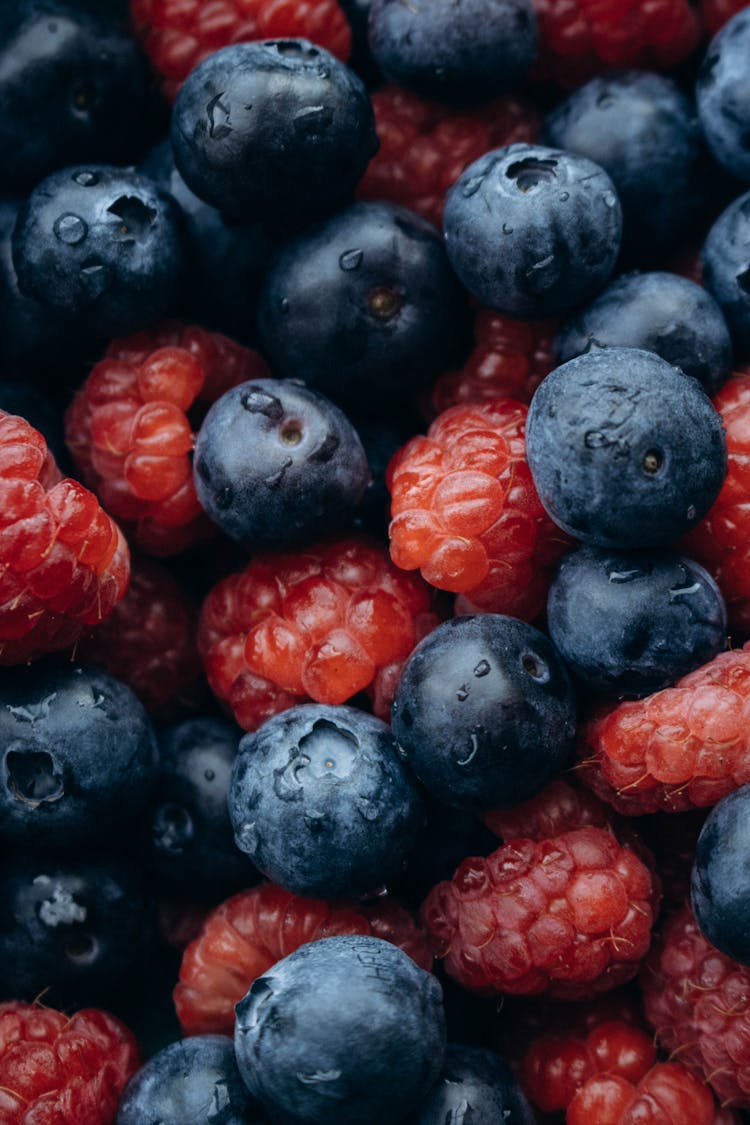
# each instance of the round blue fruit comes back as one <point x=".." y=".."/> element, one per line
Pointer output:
<point x="720" y="881"/>
<point x="723" y="95"/>
<point x="478" y="1082"/>
<point x="726" y="269"/>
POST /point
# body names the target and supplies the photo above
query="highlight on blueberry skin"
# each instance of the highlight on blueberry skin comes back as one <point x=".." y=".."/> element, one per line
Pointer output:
<point x="726" y="269"/>
<point x="720" y="880"/>
<point x="723" y="95"/>
<point x="345" y="1031"/>
<point x="480" y="1080"/>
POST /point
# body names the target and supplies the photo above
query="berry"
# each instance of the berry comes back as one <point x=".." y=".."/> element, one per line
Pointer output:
<point x="131" y="427"/>
<point x="625" y="450"/>
<point x="176" y="39"/>
<point x="64" y="563"/>
<point x="719" y="886"/>
<point x="61" y="1069"/>
<point x="558" y="808"/>
<point x="477" y="1082"/>
<point x="715" y="13"/>
<point x="322" y="624"/>
<point x="425" y="146"/>
<point x="321" y="802"/>
<point x="484" y="712"/>
<point x="533" y="231"/>
<point x="668" y="1094"/>
<point x="466" y="513"/>
<point x="722" y="96"/>
<point x="726" y="269"/>
<point x="343" y="1031"/>
<point x="244" y="936"/>
<point x="263" y="147"/>
<point x="26" y="401"/>
<point x="570" y="916"/>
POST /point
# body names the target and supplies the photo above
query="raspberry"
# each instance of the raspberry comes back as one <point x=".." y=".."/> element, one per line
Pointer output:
<point x="253" y="930"/>
<point x="667" y="1095"/>
<point x="321" y="624"/>
<point x="570" y="916"/>
<point x="62" y="1070"/>
<point x="465" y="510"/>
<point x="425" y="146"/>
<point x="64" y="563"/>
<point x="684" y="747"/>
<point x="131" y="427"/>
<point x="716" y="13"/>
<point x="177" y="36"/>
<point x="150" y="643"/>
<point x="558" y="808"/>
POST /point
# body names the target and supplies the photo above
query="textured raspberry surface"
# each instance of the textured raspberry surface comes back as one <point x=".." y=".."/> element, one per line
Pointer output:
<point x="321" y="624"/>
<point x="684" y="747"/>
<point x="150" y="643"/>
<point x="62" y="1070"/>
<point x="253" y="930"/>
<point x="131" y="427"/>
<point x="64" y="563"/>
<point x="466" y="513"/>
<point x="667" y="1095"/>
<point x="178" y="34"/>
<point x="570" y="915"/>
<point x="425" y="146"/>
<point x="559" y="807"/>
<point x="715" y="13"/>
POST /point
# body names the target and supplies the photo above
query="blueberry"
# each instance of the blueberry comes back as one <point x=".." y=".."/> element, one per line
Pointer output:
<point x="274" y="130"/>
<point x="720" y="881"/>
<point x="454" y="50"/>
<point x="77" y="754"/>
<point x="277" y="464"/>
<point x="723" y="95"/>
<point x="192" y="1082"/>
<point x="345" y="1031"/>
<point x="400" y="317"/>
<point x="658" y="312"/>
<point x="484" y="712"/>
<point x="533" y="231"/>
<point x="321" y="802"/>
<point x="101" y="244"/>
<point x="726" y="269"/>
<point x="644" y="132"/>
<point x="475" y="1082"/>
<point x="633" y="622"/>
<point x="625" y="450"/>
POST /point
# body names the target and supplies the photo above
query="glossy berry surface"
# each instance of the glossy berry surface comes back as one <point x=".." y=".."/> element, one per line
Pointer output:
<point x="478" y="1082"/>
<point x="722" y="96"/>
<point x="559" y="807"/>
<point x="719" y="886"/>
<point x="726" y="269"/>
<point x="669" y="1093"/>
<point x="347" y="1030"/>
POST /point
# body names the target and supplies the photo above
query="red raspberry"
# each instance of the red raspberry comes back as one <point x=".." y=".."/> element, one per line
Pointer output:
<point x="466" y="512"/>
<point x="684" y="747"/>
<point x="131" y="427"/>
<point x="178" y="34"/>
<point x="64" y="563"/>
<point x="150" y="643"/>
<point x="667" y="1095"/>
<point x="560" y="807"/>
<point x="253" y="930"/>
<point x="425" y="146"/>
<point x="716" y="13"/>
<point x="570" y="916"/>
<point x="62" y="1070"/>
<point x="321" y="624"/>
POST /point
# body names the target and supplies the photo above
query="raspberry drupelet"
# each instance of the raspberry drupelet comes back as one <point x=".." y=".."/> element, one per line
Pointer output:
<point x="64" y="564"/>
<point x="668" y="1094"/>
<point x="559" y="807"/>
<point x="131" y="427"/>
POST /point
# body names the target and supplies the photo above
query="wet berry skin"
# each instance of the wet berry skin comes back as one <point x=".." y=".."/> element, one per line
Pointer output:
<point x="726" y="269"/>
<point x="480" y="1080"/>
<point x="400" y="314"/>
<point x="276" y="464"/>
<point x="101" y="244"/>
<point x="273" y="130"/>
<point x="484" y="712"/>
<point x="346" y="1031"/>
<point x="723" y="97"/>
<point x="720" y="881"/>
<point x="633" y="622"/>
<point x="533" y="231"/>
<point x="625" y="450"/>
<point x="322" y="803"/>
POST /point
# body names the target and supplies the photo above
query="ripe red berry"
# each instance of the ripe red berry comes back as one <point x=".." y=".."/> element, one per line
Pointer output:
<point x="560" y="807"/>
<point x="716" y="13"/>
<point x="668" y="1094"/>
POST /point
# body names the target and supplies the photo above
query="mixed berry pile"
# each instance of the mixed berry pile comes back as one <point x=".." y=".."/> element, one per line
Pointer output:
<point x="375" y="562"/>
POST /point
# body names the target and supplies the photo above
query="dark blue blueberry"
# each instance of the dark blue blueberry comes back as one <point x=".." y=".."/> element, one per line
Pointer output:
<point x="322" y="803"/>
<point x="275" y="130"/>
<point x="477" y="1087"/>
<point x="720" y="882"/>
<point x="26" y="401"/>
<point x="533" y="231"/>
<point x="484" y="712"/>
<point x="625" y="450"/>
<point x="723" y="95"/>
<point x="77" y="755"/>
<point x="399" y="317"/>
<point x="192" y="840"/>
<point x="277" y="464"/>
<point x="726" y="269"/>
<point x="454" y="50"/>
<point x="192" y="1082"/>
<point x="631" y="622"/>
<point x="657" y="312"/>
<point x="102" y="244"/>
<point x="644" y="132"/>
<point x="345" y="1031"/>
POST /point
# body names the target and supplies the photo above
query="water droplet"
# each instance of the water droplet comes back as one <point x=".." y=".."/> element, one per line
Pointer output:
<point x="351" y="260"/>
<point x="610" y="199"/>
<point x="70" y="229"/>
<point x="86" y="179"/>
<point x="691" y="512"/>
<point x="482" y="669"/>
<point x="462" y="694"/>
<point x="471" y="186"/>
<point x="284" y="305"/>
<point x="507" y="229"/>
<point x="564" y="196"/>
<point x="472" y="752"/>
